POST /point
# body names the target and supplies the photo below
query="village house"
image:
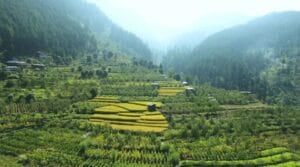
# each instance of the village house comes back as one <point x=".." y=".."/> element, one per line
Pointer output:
<point x="151" y="107"/>
<point x="11" y="68"/>
<point x="190" y="90"/>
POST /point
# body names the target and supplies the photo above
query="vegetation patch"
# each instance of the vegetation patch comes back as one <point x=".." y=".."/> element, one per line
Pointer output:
<point x="106" y="99"/>
<point x="132" y="107"/>
<point x="273" y="151"/>
<point x="261" y="161"/>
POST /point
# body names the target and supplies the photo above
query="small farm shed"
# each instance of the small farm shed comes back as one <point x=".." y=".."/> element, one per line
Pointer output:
<point x="16" y="63"/>
<point x="190" y="90"/>
<point x="185" y="83"/>
<point x="38" y="66"/>
<point x="151" y="107"/>
<point x="155" y="85"/>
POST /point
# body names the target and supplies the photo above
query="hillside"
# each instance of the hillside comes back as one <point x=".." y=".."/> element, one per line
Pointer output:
<point x="93" y="97"/>
<point x="260" y="56"/>
<point x="75" y="115"/>
<point x="63" y="28"/>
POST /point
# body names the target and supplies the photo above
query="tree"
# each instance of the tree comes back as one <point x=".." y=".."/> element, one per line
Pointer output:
<point x="161" y="71"/>
<point x="101" y="73"/>
<point x="29" y="98"/>
<point x="21" y="99"/>
<point x="89" y="60"/>
<point x="93" y="92"/>
<point x="79" y="68"/>
<point x="3" y="74"/>
<point x="174" y="158"/>
<point x="9" y="84"/>
<point x="195" y="132"/>
<point x="177" y="77"/>
<point x="10" y="98"/>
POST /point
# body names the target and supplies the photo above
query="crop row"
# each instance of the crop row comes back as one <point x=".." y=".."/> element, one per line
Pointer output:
<point x="134" y="156"/>
<point x="262" y="161"/>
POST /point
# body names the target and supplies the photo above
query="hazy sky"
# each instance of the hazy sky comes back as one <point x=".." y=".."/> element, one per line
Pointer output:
<point x="163" y="19"/>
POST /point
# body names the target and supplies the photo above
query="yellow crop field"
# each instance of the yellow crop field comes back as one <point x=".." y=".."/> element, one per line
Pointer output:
<point x="145" y="103"/>
<point x="132" y="127"/>
<point x="132" y="107"/>
<point x="131" y="114"/>
<point x="165" y="125"/>
<point x="104" y="100"/>
<point x="152" y="113"/>
<point x="170" y="91"/>
<point x="153" y="117"/>
<point x="114" y="117"/>
<point x="138" y="128"/>
<point x="152" y="122"/>
<point x="107" y="97"/>
<point x="110" y="109"/>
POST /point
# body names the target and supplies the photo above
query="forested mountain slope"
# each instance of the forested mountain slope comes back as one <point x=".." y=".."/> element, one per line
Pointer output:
<point x="260" y="56"/>
<point x="63" y="28"/>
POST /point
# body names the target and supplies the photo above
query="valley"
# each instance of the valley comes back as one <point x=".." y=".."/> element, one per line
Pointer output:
<point x="76" y="89"/>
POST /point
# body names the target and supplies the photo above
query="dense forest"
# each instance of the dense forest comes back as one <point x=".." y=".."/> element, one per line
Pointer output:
<point x="261" y="56"/>
<point x="65" y="29"/>
<point x="78" y="90"/>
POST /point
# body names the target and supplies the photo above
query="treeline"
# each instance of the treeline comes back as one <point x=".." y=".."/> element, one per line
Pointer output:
<point x="30" y="26"/>
<point x="249" y="57"/>
<point x="65" y="29"/>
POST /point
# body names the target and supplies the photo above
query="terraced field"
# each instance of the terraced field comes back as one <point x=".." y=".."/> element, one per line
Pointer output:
<point x="279" y="156"/>
<point x="132" y="116"/>
<point x="170" y="91"/>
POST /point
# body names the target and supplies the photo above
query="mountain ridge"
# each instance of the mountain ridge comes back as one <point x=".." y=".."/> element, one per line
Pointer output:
<point x="237" y="57"/>
<point x="63" y="28"/>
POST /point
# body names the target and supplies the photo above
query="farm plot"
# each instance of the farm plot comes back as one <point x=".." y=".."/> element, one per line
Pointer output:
<point x="110" y="110"/>
<point x="276" y="156"/>
<point x="170" y="91"/>
<point x="106" y="99"/>
<point x="132" y="116"/>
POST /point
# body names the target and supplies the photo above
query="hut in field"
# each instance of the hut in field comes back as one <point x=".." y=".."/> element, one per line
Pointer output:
<point x="155" y="85"/>
<point x="16" y="63"/>
<point x="212" y="99"/>
<point x="246" y="92"/>
<point x="190" y="90"/>
<point x="38" y="66"/>
<point x="151" y="107"/>
<point x="11" y="68"/>
<point x="185" y="83"/>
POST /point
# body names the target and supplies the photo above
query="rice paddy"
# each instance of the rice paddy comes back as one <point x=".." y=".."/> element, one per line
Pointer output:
<point x="132" y="116"/>
<point x="132" y="107"/>
<point x="170" y="91"/>
<point x="110" y="109"/>
<point x="145" y="103"/>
